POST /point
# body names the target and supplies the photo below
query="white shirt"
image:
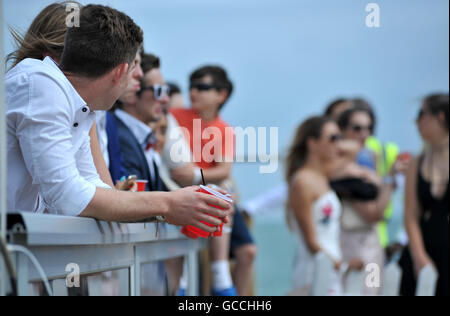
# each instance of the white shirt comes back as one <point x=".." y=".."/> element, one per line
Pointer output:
<point x="50" y="164"/>
<point x="142" y="133"/>
<point x="176" y="152"/>
<point x="100" y="117"/>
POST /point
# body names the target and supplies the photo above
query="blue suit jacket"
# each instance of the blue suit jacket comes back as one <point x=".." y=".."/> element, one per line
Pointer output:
<point x="115" y="158"/>
<point x="134" y="160"/>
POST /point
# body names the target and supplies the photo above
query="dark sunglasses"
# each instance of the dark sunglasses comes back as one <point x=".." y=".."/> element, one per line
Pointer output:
<point x="359" y="128"/>
<point x="158" y="90"/>
<point x="202" y="86"/>
<point x="335" y="138"/>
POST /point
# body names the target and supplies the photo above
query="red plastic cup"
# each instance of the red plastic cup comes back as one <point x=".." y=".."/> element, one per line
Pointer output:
<point x="141" y="185"/>
<point x="194" y="232"/>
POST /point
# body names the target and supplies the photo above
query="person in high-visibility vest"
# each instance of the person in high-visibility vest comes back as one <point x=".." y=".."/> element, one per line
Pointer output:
<point x="386" y="156"/>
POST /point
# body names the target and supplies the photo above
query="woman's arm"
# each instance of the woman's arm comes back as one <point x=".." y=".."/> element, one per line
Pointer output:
<point x="301" y="201"/>
<point x="412" y="215"/>
<point x="373" y="211"/>
<point x="99" y="161"/>
<point x="348" y="151"/>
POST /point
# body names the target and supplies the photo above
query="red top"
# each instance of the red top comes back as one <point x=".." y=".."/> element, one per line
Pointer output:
<point x="210" y="142"/>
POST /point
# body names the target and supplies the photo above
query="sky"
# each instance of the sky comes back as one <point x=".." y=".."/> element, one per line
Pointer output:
<point x="289" y="58"/>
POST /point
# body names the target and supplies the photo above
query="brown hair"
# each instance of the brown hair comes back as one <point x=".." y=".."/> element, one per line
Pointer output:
<point x="44" y="36"/>
<point x="312" y="128"/>
<point x="104" y="39"/>
<point x="150" y="62"/>
<point x="438" y="103"/>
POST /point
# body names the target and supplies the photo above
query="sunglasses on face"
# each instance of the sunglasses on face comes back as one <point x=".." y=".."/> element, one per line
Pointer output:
<point x="202" y="86"/>
<point x="360" y="128"/>
<point x="159" y="91"/>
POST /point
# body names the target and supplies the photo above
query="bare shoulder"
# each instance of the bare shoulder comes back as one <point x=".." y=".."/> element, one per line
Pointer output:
<point x="308" y="183"/>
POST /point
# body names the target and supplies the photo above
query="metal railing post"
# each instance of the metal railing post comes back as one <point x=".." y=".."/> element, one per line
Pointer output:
<point x="192" y="267"/>
<point x="21" y="263"/>
<point x="2" y="148"/>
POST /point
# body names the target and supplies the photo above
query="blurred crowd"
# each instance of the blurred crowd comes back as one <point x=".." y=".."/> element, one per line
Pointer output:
<point x="341" y="184"/>
<point x="95" y="130"/>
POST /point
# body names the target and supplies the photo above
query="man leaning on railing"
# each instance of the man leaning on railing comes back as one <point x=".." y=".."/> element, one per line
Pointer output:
<point x="50" y="110"/>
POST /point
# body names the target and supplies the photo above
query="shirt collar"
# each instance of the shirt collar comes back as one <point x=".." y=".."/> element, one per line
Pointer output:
<point x="79" y="103"/>
<point x="139" y="129"/>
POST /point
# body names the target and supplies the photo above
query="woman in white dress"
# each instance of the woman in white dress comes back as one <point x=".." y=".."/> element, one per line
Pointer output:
<point x="313" y="208"/>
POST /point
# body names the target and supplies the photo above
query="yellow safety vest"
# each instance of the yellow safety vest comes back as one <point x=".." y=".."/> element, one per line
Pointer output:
<point x="386" y="155"/>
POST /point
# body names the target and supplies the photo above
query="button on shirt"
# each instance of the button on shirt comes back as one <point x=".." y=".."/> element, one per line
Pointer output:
<point x="142" y="133"/>
<point x="50" y="164"/>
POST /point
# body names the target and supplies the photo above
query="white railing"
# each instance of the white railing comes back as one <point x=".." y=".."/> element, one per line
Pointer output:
<point x="95" y="247"/>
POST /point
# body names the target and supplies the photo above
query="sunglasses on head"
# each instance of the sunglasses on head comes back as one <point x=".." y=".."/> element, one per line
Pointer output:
<point x="202" y="86"/>
<point x="158" y="90"/>
<point x="360" y="128"/>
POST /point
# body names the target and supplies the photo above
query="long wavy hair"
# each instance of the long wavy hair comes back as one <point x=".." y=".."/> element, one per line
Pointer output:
<point x="298" y="154"/>
<point x="45" y="36"/>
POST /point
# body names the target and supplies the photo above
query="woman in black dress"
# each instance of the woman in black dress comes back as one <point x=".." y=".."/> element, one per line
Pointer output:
<point x="427" y="199"/>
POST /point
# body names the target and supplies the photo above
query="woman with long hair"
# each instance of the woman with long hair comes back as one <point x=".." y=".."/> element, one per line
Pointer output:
<point x="427" y="199"/>
<point x="314" y="209"/>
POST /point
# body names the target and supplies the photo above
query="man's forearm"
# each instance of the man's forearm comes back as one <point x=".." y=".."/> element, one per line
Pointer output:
<point x="118" y="206"/>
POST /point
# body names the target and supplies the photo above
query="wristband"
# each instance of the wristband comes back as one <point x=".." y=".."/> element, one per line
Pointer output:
<point x="197" y="176"/>
<point x="160" y="218"/>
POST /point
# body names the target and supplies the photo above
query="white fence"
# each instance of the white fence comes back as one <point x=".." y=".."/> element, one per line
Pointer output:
<point x="94" y="246"/>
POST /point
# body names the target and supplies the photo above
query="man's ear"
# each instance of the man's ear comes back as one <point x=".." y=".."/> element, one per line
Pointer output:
<point x="119" y="72"/>
<point x="223" y="95"/>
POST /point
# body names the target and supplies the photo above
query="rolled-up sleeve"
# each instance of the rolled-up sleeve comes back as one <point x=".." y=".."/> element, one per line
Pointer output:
<point x="43" y="129"/>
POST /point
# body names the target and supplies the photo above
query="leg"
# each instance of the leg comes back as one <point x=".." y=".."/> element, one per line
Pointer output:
<point x="220" y="268"/>
<point x="243" y="269"/>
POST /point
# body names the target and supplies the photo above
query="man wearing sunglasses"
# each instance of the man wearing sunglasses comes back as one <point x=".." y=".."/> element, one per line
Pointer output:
<point x="133" y="119"/>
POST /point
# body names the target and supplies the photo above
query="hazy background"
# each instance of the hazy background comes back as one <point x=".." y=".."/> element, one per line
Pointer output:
<point x="288" y="59"/>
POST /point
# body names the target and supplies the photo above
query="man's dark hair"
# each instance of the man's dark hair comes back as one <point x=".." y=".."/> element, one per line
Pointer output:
<point x="150" y="62"/>
<point x="219" y="77"/>
<point x="104" y="39"/>
<point x="174" y="88"/>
